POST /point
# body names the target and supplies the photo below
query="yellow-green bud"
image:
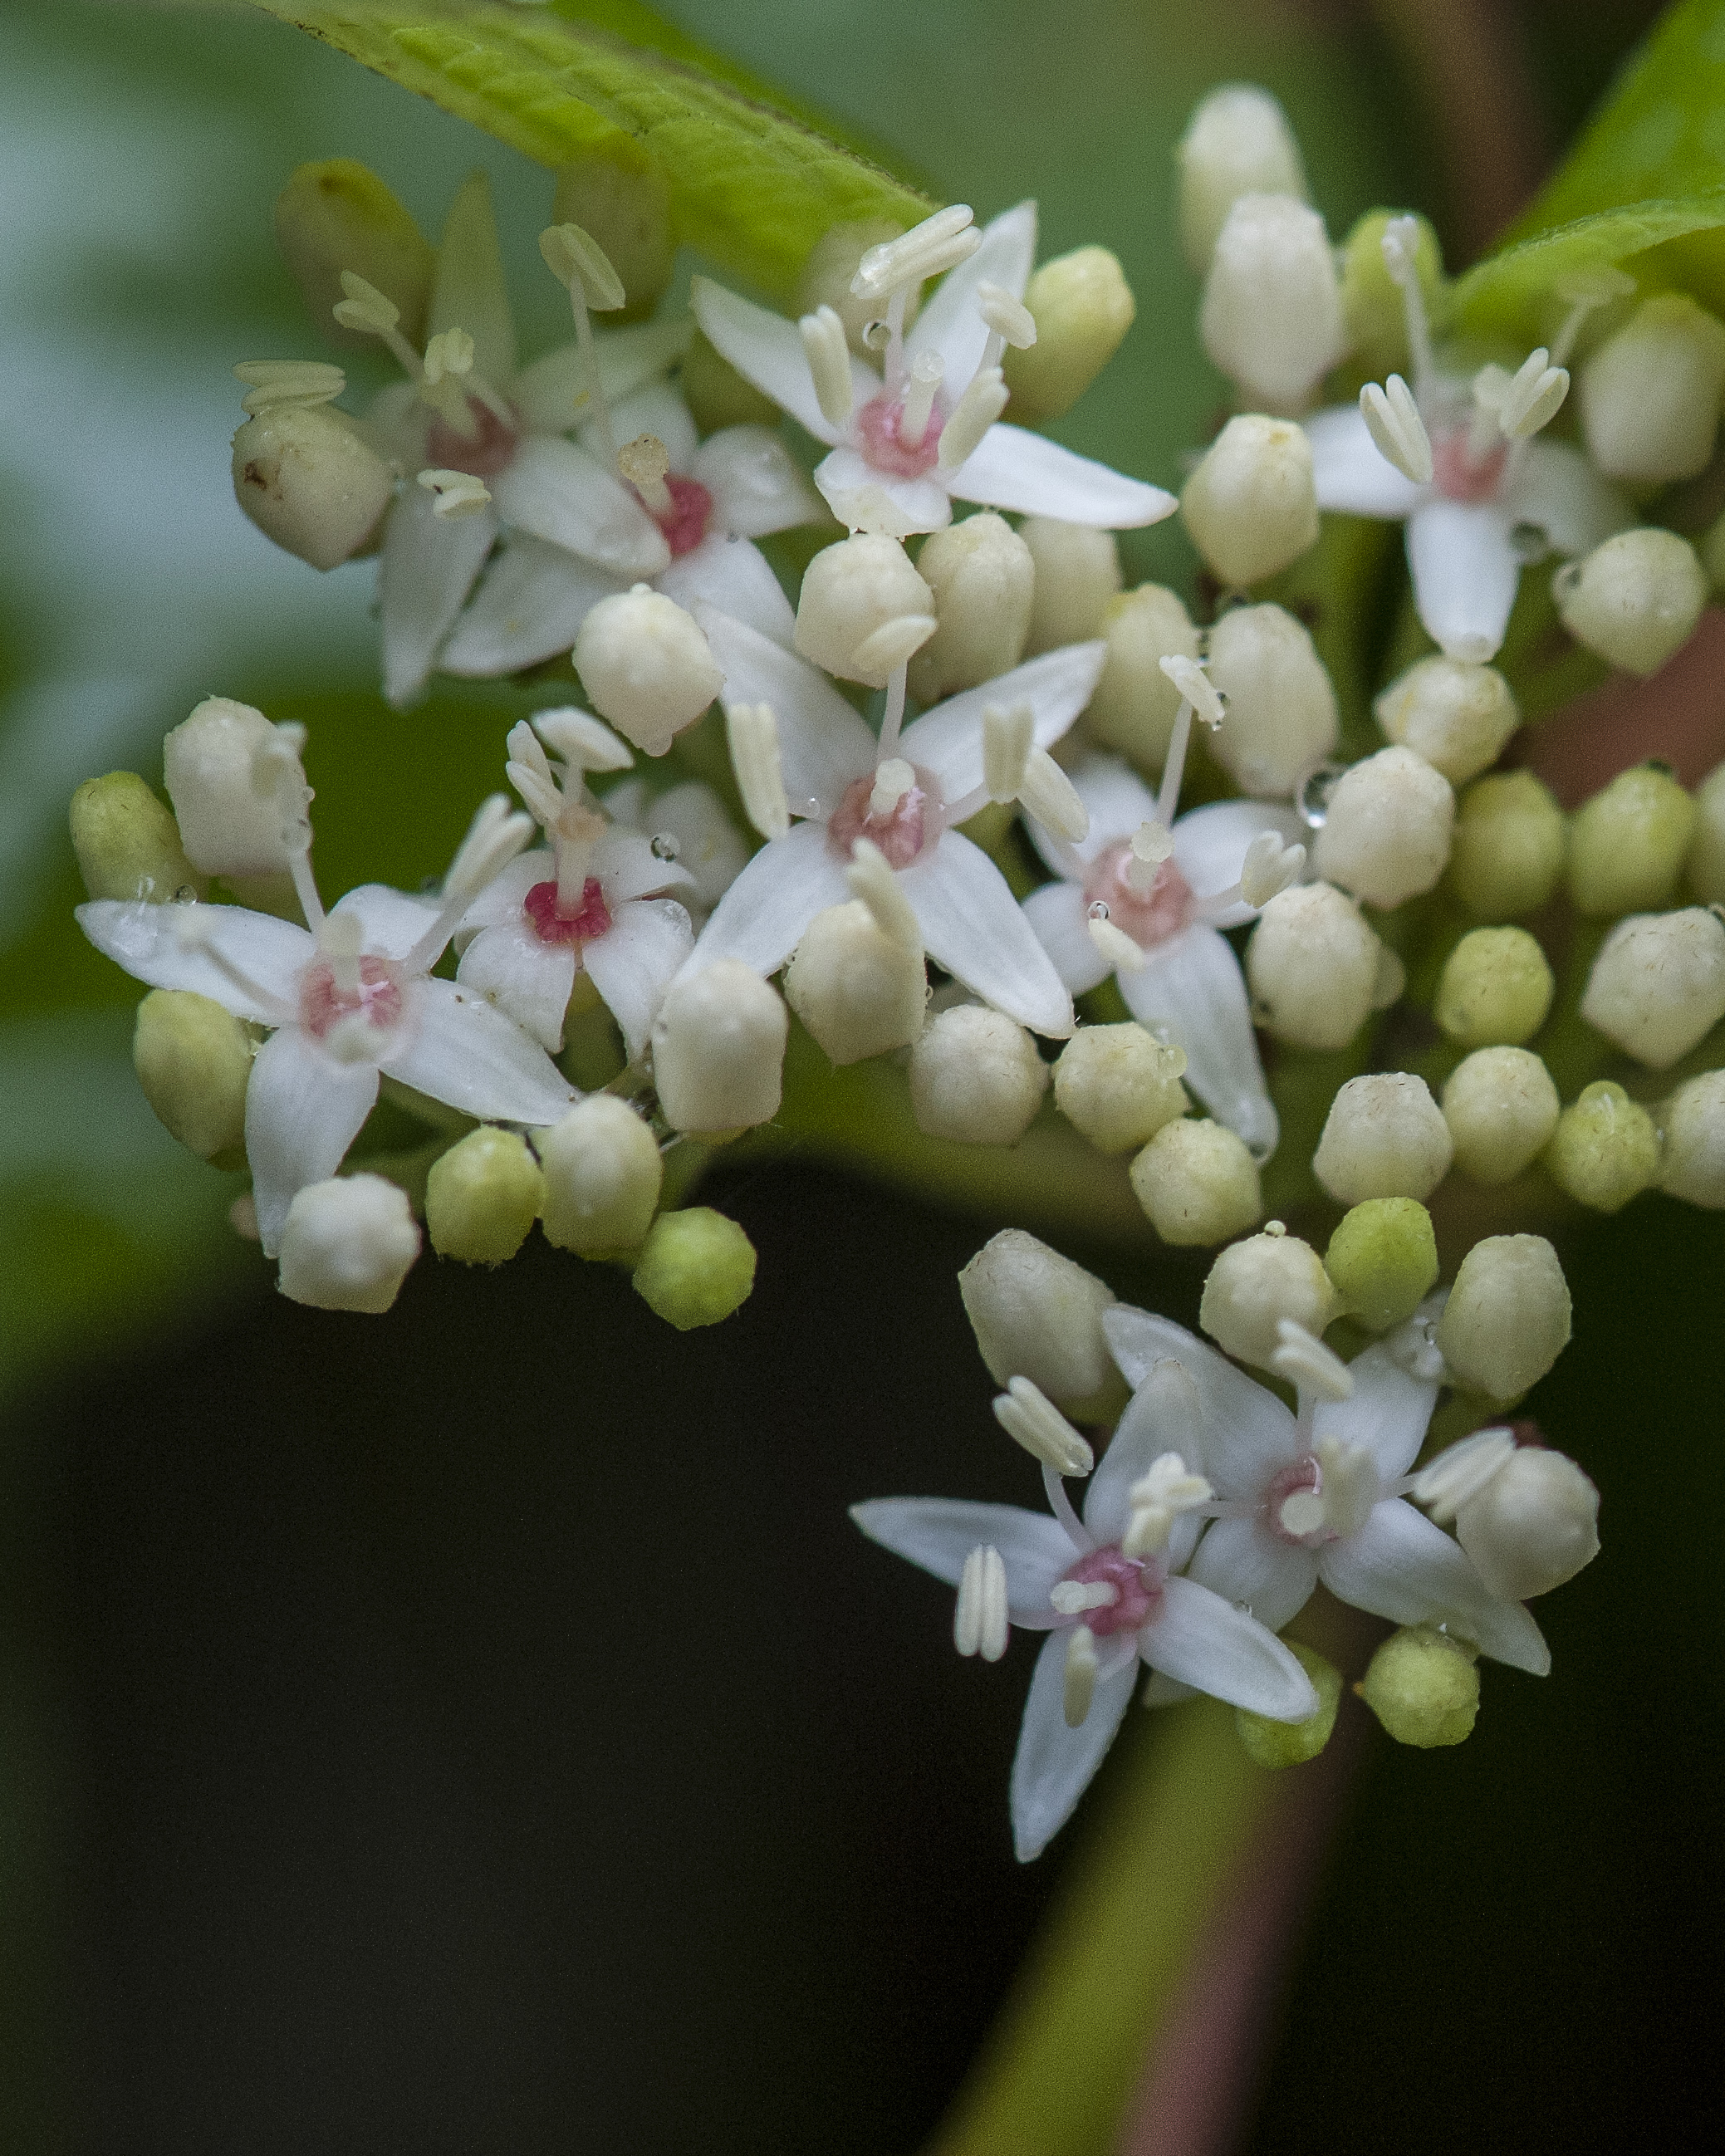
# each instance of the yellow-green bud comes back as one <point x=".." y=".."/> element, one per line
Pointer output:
<point x="1291" y="1744"/>
<point x="975" y="1077"/>
<point x="717" y="395"/>
<point x="127" y="842"/>
<point x="1135" y="704"/>
<point x="1118" y="1085"/>
<point x="1281" y="716"/>
<point x="1605" y="1148"/>
<point x="1077" y="574"/>
<point x="1506" y="852"/>
<point x="603" y="1173"/>
<point x="1373" y="313"/>
<point x="1252" y="505"/>
<point x="1384" y="1136"/>
<point x="859" y="991"/>
<point x="1254" y="1284"/>
<point x="1507" y="1318"/>
<point x="1313" y="967"/>
<point x="483" y="1196"/>
<point x="1693" y="1166"/>
<point x="1649" y="396"/>
<point x="1082" y="307"/>
<point x="308" y="481"/>
<point x="1387" y="828"/>
<point x="1705" y="866"/>
<point x="1628" y="842"/>
<point x="1382" y="1258"/>
<point x="620" y="195"/>
<point x="1495" y="988"/>
<point x="1657" y="987"/>
<point x="338" y="215"/>
<point x="1635" y="599"/>
<point x="826" y="275"/>
<point x="696" y="1268"/>
<point x="1458" y="716"/>
<point x="1424" y="1687"/>
<point x="983" y="576"/>
<point x="1501" y="1108"/>
<point x="194" y="1060"/>
<point x="348" y="1244"/>
<point x="1197" y="1184"/>
<point x="1037" y="1316"/>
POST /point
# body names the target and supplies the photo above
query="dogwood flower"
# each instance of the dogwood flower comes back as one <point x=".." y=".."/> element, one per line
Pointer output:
<point x="686" y="824"/>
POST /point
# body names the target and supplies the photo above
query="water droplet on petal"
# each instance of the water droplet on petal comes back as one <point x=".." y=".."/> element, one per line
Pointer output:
<point x="1313" y="798"/>
<point x="1099" y="910"/>
<point x="665" y="846"/>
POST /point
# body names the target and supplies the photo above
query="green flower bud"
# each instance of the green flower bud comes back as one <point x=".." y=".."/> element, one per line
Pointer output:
<point x="718" y="396"/>
<point x="338" y="215"/>
<point x="1627" y="844"/>
<point x="127" y="842"/>
<point x="1290" y="1743"/>
<point x="1197" y="1184"/>
<point x="1134" y="703"/>
<point x="1458" y="716"/>
<point x="1507" y="1318"/>
<point x="1077" y="574"/>
<point x="1657" y="987"/>
<point x="1082" y="307"/>
<point x="619" y="195"/>
<point x="1118" y="1085"/>
<point x="1384" y="1136"/>
<point x="696" y="1268"/>
<point x="1037" y="1316"/>
<point x="308" y="481"/>
<point x="1605" y="1148"/>
<point x="1501" y="1108"/>
<point x="1495" y="988"/>
<point x="482" y="1197"/>
<point x="1281" y="716"/>
<point x="1506" y="853"/>
<point x="1254" y="1284"/>
<point x="982" y="577"/>
<point x="1705" y="867"/>
<point x="1635" y="599"/>
<point x="1252" y="505"/>
<point x="194" y="1061"/>
<point x="975" y="1077"/>
<point x="1694" y="1161"/>
<point x="1649" y="395"/>
<point x="603" y="1173"/>
<point x="1424" y="1687"/>
<point x="1373" y="311"/>
<point x="1382" y="1258"/>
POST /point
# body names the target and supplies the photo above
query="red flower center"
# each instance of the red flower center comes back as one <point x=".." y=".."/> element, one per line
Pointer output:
<point x="581" y="923"/>
<point x="485" y="454"/>
<point x="1461" y="475"/>
<point x="1138" y="1589"/>
<point x="376" y="999"/>
<point x="1149" y="917"/>
<point x="900" y="834"/>
<point x="685" y="523"/>
<point x="878" y="423"/>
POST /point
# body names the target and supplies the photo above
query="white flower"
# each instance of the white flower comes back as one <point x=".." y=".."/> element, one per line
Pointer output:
<point x="905" y="793"/>
<point x="887" y="472"/>
<point x="687" y="823"/>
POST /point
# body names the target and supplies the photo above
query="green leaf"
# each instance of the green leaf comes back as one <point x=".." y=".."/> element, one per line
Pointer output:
<point x="753" y="183"/>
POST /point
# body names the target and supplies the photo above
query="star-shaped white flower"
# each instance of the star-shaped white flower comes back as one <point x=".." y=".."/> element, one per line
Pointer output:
<point x="688" y="823"/>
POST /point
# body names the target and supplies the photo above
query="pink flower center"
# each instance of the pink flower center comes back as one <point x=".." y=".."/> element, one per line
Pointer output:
<point x="878" y="423"/>
<point x="1299" y="1481"/>
<point x="1461" y="474"/>
<point x="685" y="523"/>
<point x="1149" y="917"/>
<point x="376" y="999"/>
<point x="1138" y="1589"/>
<point x="485" y="454"/>
<point x="582" y="923"/>
<point x="901" y="834"/>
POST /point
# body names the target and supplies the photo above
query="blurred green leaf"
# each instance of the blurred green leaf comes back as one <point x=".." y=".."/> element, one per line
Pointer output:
<point x="1511" y="295"/>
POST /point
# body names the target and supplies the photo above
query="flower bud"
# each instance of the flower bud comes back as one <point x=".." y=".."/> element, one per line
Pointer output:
<point x="1197" y="1184"/>
<point x="982" y="575"/>
<point x="1424" y="1687"/>
<point x="212" y="762"/>
<point x="1705" y="866"/>
<point x="1501" y="1108"/>
<point x="1386" y="831"/>
<point x="1495" y="987"/>
<point x="1134" y="703"/>
<point x="1533" y="1525"/>
<point x="1077" y="572"/>
<point x="1693" y="1164"/>
<point x="646" y="666"/>
<point x="696" y="1267"/>
<point x="619" y="195"/>
<point x="833" y="262"/>
<point x="603" y="1173"/>
<point x="1635" y="599"/>
<point x="858" y="990"/>
<point x="1252" y="505"/>
<point x="1037" y="1316"/>
<point x="717" y="396"/>
<point x="852" y="591"/>
<point x="1291" y="1744"/>
<point x="1605" y="1148"/>
<point x="1507" y="850"/>
<point x="1657" y="986"/>
<point x="1313" y="968"/>
<point x="1384" y="1136"/>
<point x="1382" y="1258"/>
<point x="127" y="842"/>
<point x="718" y="1049"/>
<point x="1237" y="142"/>
<point x="1271" y="316"/>
<point x="483" y="1196"/>
<point x="976" y="1076"/>
<point x="1373" y="313"/>
<point x="1254" y="1284"/>
<point x="1628" y="843"/>
<point x="338" y="215"/>
<point x="348" y="1244"/>
<point x="1457" y="716"/>
<point x="1507" y="1318"/>
<point x="1650" y="395"/>
<point x="308" y="482"/>
<point x="1281" y="709"/>
<point x="193" y="1061"/>
<point x="1117" y="1084"/>
<point x="1082" y="307"/>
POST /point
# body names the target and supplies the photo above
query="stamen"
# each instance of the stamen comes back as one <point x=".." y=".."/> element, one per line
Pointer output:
<point x="1533" y="397"/>
<point x="1305" y="1362"/>
<point x="983" y="401"/>
<point x="1393" y="423"/>
<point x="1113" y="944"/>
<point x="980" y="1623"/>
<point x="893" y="780"/>
<point x="1347" y="1478"/>
<point x="1008" y="319"/>
<point x="1159" y="1496"/>
<point x="1007" y="738"/>
<point x="927" y="371"/>
<point x="369" y="313"/>
<point x="1152" y="844"/>
<point x="1460" y="1473"/>
<point x="893" y="644"/>
<point x="338" y="939"/>
<point x="1400" y="244"/>
<point x="1030" y="1419"/>
<point x="828" y="363"/>
<point x="1081" y="1678"/>
<point x="927" y="250"/>
<point x="643" y="463"/>
<point x="457" y="493"/>
<point x="194" y="929"/>
<point x="1581" y="293"/>
<point x="496" y="834"/>
<point x="871" y="878"/>
<point x="584" y="743"/>
<point x="893" y="718"/>
<point x="449" y="352"/>
<point x="1052" y="798"/>
<point x="278" y="774"/>
<point x="580" y="264"/>
<point x="751" y="731"/>
<point x="1071" y="1598"/>
<point x="1199" y="694"/>
<point x="1271" y="866"/>
<point x="303" y="382"/>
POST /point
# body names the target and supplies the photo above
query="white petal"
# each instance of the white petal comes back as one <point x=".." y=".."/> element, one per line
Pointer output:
<point x="1402" y="1566"/>
<point x="939" y="1534"/>
<point x="1351" y="472"/>
<point x="635" y="964"/>
<point x="655" y="408"/>
<point x="823" y="743"/>
<point x="1058" y="914"/>
<point x="303" y="1109"/>
<point x="627" y="867"/>
<point x="950" y="324"/>
<point x="530" y="605"/>
<point x="709" y="847"/>
<point x="556" y="491"/>
<point x="732" y="575"/>
<point x="396" y="423"/>
<point x="470" y="292"/>
<point x="974" y="927"/>
<point x="1206" y="1642"/>
<point x="391" y="922"/>
<point x="762" y="917"/>
<point x="948" y="740"/>
<point x="499" y="905"/>
<point x="147" y="940"/>
<point x="529" y="981"/>
<point x="1013" y="469"/>
<point x="865" y="499"/>
<point x="1387" y="1413"/>
<point x="1117" y="801"/>
<point x="1248" y="1434"/>
<point x="1243" y="1562"/>
<point x="463" y="1051"/>
<point x="757" y="487"/>
<point x="1210" y="843"/>
<point x="428" y="565"/>
<point x="1557" y="490"/>
<point x="1053" y="1765"/>
<point x="768" y="351"/>
<point x="1143" y="1433"/>
<point x="549" y="393"/>
<point x="1464" y="573"/>
<point x="1191" y="991"/>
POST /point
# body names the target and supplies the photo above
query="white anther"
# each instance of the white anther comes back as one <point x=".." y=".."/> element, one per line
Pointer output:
<point x="1052" y="798"/>
<point x="980" y="1623"/>
<point x="457" y="493"/>
<point x="871" y="878"/>
<point x="1305" y="1361"/>
<point x="1460" y="1473"/>
<point x="1028" y="1417"/>
<point x="1114" y="947"/>
<point x="1079" y="1688"/>
<point x="449" y="352"/>
<point x="1157" y="1498"/>
<point x="752" y="730"/>
<point x="1393" y="423"/>
<point x="1348" y="1477"/>
<point x="1072" y="1598"/>
<point x="893" y="780"/>
<point x="1196" y="686"/>
<point x="364" y="307"/>
<point x="927" y="372"/>
<point x="288" y="381"/>
<point x="573" y="257"/>
<point x="1270" y="865"/>
<point x="983" y="401"/>
<point x="1008" y="318"/>
<point x="828" y="363"/>
<point x="1008" y="739"/>
<point x="938" y="243"/>
<point x="893" y="645"/>
<point x="584" y="743"/>
<point x="1522" y="402"/>
<point x="494" y="837"/>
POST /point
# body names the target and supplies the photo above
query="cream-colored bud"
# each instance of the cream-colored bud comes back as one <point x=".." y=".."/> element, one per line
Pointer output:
<point x="1657" y="987"/>
<point x="1424" y="1687"/>
<point x="338" y="215"/>
<point x="1382" y="1260"/>
<point x="1533" y="1525"/>
<point x="620" y="195"/>
<point x="1495" y="988"/>
<point x="1313" y="967"/>
<point x="1118" y="1085"/>
<point x="483" y="1196"/>
<point x="976" y="1076"/>
<point x="1384" y="1136"/>
<point x="1082" y="307"/>
<point x="1282" y="707"/>
<point x="1374" y="312"/>
<point x="1037" y="1316"/>
<point x="1271" y="316"/>
<point x="1507" y="1320"/>
<point x="1077" y="572"/>
<point x="717" y="396"/>
<point x="603" y="1173"/>
<point x="1506" y="852"/>
<point x="127" y="842"/>
<point x="718" y="1049"/>
<point x="1628" y="843"/>
<point x="1649" y="394"/>
<point x="1705" y="865"/>
<point x="1605" y="1148"/>
<point x="1197" y="1184"/>
<point x="307" y="481"/>
<point x="210" y="763"/>
<point x="1253" y="1285"/>
<point x="983" y="576"/>
<point x="1693" y="1165"/>
<point x="1635" y="599"/>
<point x="1387" y="828"/>
<point x="852" y="591"/>
<point x="833" y="263"/>
<point x="348" y="1244"/>
<point x="1237" y="142"/>
<point x="1457" y="716"/>
<point x="1134" y="703"/>
<point x="1252" y="505"/>
<point x="194" y="1060"/>
<point x="858" y="990"/>
<point x="646" y="666"/>
<point x="1501" y="1108"/>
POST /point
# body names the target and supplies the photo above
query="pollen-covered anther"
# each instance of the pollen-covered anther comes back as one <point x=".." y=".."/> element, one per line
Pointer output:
<point x="455" y="493"/>
<point x="928" y="372"/>
<point x="751" y="730"/>
<point x="1305" y="1362"/>
<point x="364" y="308"/>
<point x="1460" y="1473"/>
<point x="1157" y="1498"/>
<point x="829" y="355"/>
<point x="1051" y="798"/>
<point x="584" y="743"/>
<point x="893" y="645"/>
<point x="1030" y="1419"/>
<point x="574" y="257"/>
<point x="984" y="399"/>
<point x="1080" y="1685"/>
<point x="980" y="1623"/>
<point x="276" y="381"/>
<point x="448" y="354"/>
<point x="939" y="244"/>
<point x="1196" y="686"/>
<point x="643" y="463"/>
<point x="1393" y="423"/>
